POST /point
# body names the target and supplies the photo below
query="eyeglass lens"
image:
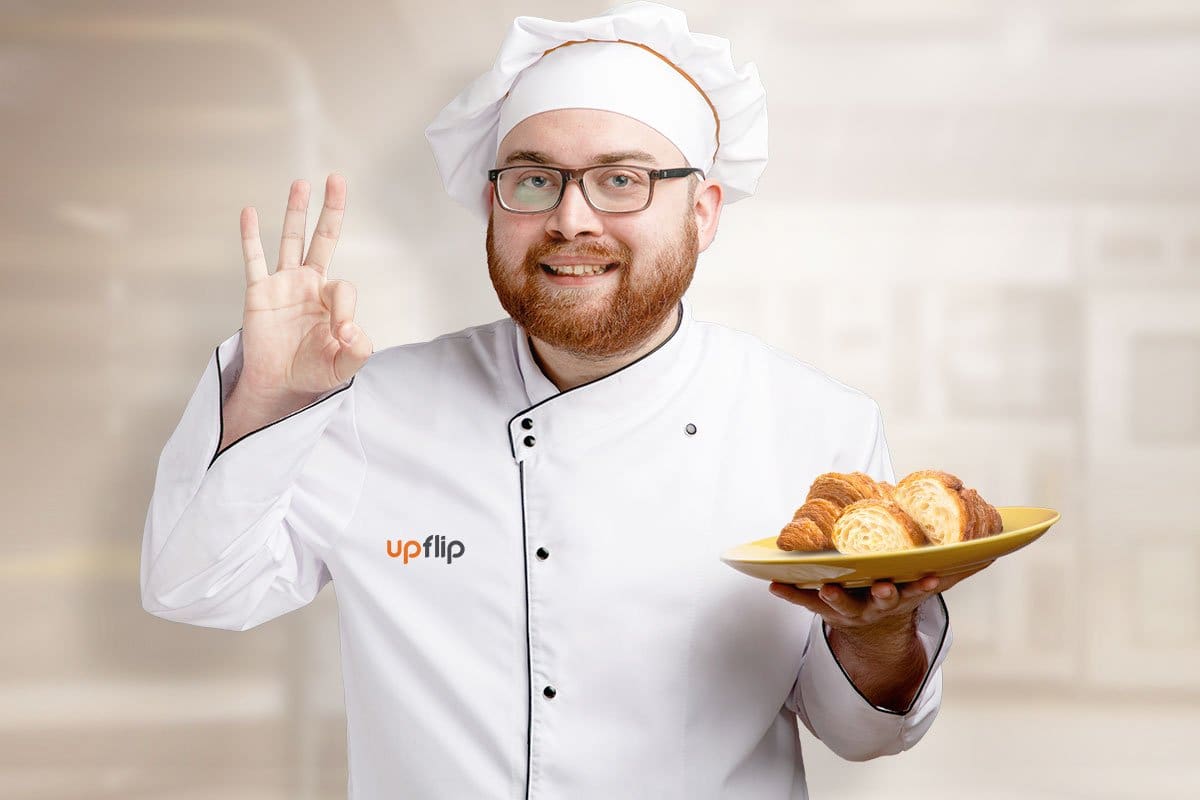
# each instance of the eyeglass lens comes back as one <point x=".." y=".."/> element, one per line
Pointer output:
<point x="614" y="188"/>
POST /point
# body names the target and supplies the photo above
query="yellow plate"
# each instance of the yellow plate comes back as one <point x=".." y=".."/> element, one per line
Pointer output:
<point x="808" y="570"/>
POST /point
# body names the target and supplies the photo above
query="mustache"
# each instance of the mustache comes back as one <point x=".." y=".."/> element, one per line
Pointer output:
<point x="541" y="252"/>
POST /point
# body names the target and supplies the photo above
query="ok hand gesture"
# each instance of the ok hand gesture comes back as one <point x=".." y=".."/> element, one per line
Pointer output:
<point x="299" y="337"/>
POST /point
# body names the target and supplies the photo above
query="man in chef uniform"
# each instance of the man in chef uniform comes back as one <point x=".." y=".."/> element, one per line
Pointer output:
<point x="524" y="518"/>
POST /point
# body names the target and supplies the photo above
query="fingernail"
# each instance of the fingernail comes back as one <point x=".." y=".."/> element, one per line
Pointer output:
<point x="348" y="333"/>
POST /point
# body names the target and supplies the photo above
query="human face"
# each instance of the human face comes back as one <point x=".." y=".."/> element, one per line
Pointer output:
<point x="651" y="254"/>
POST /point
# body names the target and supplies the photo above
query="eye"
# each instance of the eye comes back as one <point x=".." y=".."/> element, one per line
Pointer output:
<point x="536" y="179"/>
<point x="622" y="179"/>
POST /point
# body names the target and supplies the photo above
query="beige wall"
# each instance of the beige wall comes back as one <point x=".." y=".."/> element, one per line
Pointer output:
<point x="984" y="214"/>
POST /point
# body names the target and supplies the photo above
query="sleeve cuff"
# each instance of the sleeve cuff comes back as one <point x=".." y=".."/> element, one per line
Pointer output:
<point x="302" y="427"/>
<point x="838" y="714"/>
<point x="210" y="510"/>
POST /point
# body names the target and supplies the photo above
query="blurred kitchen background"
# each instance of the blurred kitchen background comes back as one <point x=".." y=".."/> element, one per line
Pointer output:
<point x="984" y="214"/>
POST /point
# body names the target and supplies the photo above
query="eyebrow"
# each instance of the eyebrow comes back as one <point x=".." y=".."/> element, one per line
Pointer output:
<point x="601" y="158"/>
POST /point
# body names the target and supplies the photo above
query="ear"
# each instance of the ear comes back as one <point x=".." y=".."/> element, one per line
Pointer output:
<point x="707" y="208"/>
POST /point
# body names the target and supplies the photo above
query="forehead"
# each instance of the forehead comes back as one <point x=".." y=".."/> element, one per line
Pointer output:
<point x="573" y="136"/>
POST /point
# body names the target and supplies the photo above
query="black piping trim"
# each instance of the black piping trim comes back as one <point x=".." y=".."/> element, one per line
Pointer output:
<point x="924" y="681"/>
<point x="525" y="546"/>
<point x="528" y="644"/>
<point x="221" y="411"/>
<point x="678" y="325"/>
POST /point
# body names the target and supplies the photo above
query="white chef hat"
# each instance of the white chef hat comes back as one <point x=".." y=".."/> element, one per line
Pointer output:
<point x="638" y="59"/>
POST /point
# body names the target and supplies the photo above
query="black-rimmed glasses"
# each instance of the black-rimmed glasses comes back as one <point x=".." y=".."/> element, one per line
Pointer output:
<point x="607" y="188"/>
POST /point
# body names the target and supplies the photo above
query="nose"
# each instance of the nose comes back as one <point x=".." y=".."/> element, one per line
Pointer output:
<point x="574" y="217"/>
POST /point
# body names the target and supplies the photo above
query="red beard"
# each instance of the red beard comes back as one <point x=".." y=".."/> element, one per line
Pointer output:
<point x="571" y="319"/>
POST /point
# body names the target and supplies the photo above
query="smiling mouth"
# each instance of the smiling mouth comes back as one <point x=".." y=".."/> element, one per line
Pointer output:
<point x="572" y="274"/>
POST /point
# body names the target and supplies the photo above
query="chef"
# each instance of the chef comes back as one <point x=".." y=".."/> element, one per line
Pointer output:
<point x="523" y="519"/>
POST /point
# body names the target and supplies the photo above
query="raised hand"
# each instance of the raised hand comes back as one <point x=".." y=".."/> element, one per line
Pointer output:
<point x="299" y="338"/>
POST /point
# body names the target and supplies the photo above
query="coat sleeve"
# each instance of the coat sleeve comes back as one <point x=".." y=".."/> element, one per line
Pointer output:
<point x="828" y="702"/>
<point x="238" y="538"/>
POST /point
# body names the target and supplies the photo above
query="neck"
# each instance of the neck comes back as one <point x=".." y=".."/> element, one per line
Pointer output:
<point x="566" y="370"/>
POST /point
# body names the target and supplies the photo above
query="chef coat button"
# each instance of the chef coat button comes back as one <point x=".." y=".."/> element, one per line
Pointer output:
<point x="527" y="423"/>
<point x="543" y="553"/>
<point x="549" y="692"/>
<point x="529" y="440"/>
<point x="690" y="428"/>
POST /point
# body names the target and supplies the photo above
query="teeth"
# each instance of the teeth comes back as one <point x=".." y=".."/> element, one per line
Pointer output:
<point x="579" y="269"/>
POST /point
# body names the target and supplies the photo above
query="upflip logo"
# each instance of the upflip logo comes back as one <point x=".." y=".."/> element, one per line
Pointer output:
<point x="411" y="548"/>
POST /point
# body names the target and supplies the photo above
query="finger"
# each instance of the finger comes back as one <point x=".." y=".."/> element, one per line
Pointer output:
<point x="329" y="225"/>
<point x="352" y="356"/>
<point x="801" y="597"/>
<point x="884" y="596"/>
<point x="340" y="298"/>
<point x="840" y="600"/>
<point x="291" y="243"/>
<point x="920" y="588"/>
<point x="252" y="249"/>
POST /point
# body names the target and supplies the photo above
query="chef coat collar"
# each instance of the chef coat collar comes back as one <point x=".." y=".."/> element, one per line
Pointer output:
<point x="629" y="394"/>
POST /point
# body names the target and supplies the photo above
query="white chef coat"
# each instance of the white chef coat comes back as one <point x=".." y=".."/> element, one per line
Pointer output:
<point x="569" y="632"/>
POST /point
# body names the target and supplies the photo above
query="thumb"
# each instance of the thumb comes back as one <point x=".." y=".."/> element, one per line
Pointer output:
<point x="352" y="355"/>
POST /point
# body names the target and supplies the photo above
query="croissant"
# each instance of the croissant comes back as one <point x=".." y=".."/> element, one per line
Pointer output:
<point x="984" y="518"/>
<point x="831" y="492"/>
<point x="875" y="525"/>
<point x="844" y="488"/>
<point x="928" y="506"/>
<point x="945" y="511"/>
<point x="810" y="527"/>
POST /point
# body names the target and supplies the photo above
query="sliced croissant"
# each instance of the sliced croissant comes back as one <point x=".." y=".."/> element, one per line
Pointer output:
<point x="931" y="498"/>
<point x="984" y="518"/>
<point x="843" y="488"/>
<point x="810" y="527"/>
<point x="927" y="507"/>
<point x="947" y="511"/>
<point x="875" y="525"/>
